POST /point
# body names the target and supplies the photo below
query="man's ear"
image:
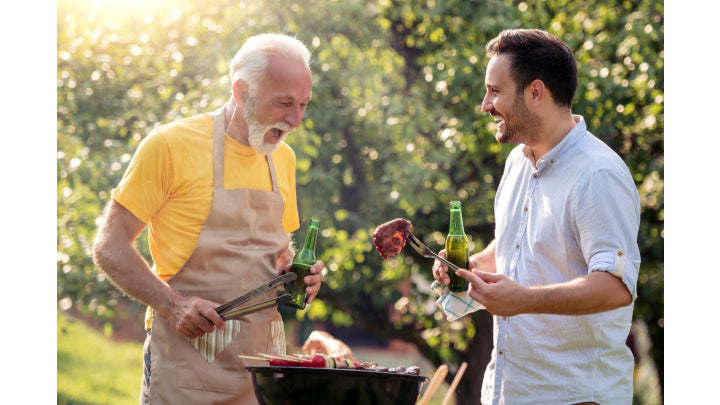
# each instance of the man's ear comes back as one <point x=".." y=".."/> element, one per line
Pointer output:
<point x="537" y="92"/>
<point x="240" y="91"/>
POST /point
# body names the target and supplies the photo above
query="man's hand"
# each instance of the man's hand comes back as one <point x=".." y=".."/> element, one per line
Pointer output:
<point x="484" y="261"/>
<point x="499" y="294"/>
<point x="323" y="342"/>
<point x="440" y="270"/>
<point x="193" y="317"/>
<point x="313" y="281"/>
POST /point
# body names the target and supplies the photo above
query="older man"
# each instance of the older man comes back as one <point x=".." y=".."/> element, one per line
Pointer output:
<point x="217" y="192"/>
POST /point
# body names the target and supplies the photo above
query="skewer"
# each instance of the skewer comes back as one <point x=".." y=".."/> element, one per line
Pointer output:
<point x="252" y="358"/>
<point x="271" y="356"/>
<point x="454" y="384"/>
<point x="435" y="382"/>
<point x="281" y="357"/>
<point x="300" y="359"/>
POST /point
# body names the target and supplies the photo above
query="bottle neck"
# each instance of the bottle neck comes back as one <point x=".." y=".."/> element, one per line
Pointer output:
<point x="310" y="239"/>
<point x="456" y="223"/>
<point x="307" y="250"/>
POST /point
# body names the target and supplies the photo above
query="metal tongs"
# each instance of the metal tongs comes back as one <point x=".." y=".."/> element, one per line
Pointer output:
<point x="230" y="310"/>
<point x="426" y="252"/>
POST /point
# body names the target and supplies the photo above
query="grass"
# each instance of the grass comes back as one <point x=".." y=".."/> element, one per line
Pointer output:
<point x="92" y="369"/>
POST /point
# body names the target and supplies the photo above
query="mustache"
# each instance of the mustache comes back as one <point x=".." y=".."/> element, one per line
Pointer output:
<point x="283" y="126"/>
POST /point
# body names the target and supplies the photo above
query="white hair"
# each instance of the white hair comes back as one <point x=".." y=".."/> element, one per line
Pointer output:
<point x="251" y="60"/>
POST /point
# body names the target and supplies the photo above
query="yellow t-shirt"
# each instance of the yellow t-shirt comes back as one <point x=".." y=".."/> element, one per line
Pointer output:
<point x="168" y="184"/>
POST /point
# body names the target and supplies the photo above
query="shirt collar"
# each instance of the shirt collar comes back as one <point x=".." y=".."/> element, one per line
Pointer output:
<point x="561" y="148"/>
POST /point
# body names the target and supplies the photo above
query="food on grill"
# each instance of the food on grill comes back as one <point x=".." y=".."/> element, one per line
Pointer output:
<point x="389" y="238"/>
<point x="315" y="360"/>
<point x="324" y="361"/>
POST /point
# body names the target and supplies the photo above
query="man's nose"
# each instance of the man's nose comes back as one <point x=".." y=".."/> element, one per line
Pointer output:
<point x="294" y="117"/>
<point x="487" y="105"/>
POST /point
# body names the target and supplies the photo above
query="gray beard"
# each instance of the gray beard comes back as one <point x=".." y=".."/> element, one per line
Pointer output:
<point x="257" y="130"/>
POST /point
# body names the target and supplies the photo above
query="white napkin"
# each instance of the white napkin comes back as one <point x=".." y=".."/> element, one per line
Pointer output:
<point x="455" y="305"/>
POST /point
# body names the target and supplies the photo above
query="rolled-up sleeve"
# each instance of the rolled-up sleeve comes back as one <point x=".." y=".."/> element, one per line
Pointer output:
<point x="607" y="219"/>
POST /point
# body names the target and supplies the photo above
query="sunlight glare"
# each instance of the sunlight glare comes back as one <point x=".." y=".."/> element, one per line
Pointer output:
<point x="135" y="5"/>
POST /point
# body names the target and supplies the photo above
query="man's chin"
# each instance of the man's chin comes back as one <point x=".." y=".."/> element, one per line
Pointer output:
<point x="501" y="137"/>
<point x="512" y="137"/>
<point x="267" y="148"/>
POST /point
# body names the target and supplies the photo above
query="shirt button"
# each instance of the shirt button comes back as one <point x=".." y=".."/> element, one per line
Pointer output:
<point x="500" y="353"/>
<point x="535" y="175"/>
<point x="525" y="209"/>
<point x="620" y="252"/>
<point x="517" y="246"/>
<point x="504" y="318"/>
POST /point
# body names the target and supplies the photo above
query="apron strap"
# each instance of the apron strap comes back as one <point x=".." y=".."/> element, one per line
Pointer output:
<point x="219" y="149"/>
<point x="273" y="177"/>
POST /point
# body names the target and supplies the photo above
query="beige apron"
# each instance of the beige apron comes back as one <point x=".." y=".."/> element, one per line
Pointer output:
<point x="237" y="250"/>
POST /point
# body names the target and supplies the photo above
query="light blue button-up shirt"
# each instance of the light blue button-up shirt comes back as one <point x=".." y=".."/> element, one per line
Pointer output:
<point x="576" y="211"/>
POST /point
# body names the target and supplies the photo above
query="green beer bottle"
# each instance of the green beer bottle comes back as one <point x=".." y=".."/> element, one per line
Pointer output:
<point x="456" y="248"/>
<point x="303" y="260"/>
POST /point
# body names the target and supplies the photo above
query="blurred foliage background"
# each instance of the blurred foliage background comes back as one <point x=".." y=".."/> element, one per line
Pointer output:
<point x="394" y="129"/>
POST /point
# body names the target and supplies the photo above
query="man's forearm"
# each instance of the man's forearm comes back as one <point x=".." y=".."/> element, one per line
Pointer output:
<point x="128" y="271"/>
<point x="114" y="252"/>
<point x="597" y="292"/>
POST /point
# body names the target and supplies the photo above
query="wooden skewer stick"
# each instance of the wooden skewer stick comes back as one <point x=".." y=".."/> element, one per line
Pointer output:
<point x="280" y="357"/>
<point x="300" y="359"/>
<point x="252" y="358"/>
<point x="454" y="383"/>
<point x="435" y="382"/>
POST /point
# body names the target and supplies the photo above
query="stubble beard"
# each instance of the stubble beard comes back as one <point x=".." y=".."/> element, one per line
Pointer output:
<point x="521" y="125"/>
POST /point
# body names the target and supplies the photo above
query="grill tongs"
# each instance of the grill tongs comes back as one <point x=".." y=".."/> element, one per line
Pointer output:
<point x="232" y="309"/>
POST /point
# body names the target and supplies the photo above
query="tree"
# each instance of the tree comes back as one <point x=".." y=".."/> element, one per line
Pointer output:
<point x="394" y="129"/>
